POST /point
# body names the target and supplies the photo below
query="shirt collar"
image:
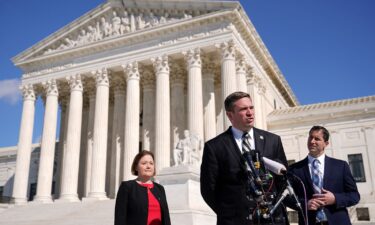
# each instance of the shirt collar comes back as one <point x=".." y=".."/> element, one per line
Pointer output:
<point x="320" y="158"/>
<point x="237" y="134"/>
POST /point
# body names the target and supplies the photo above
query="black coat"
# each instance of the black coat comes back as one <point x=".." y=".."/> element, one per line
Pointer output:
<point x="223" y="175"/>
<point x="132" y="204"/>
<point x="337" y="179"/>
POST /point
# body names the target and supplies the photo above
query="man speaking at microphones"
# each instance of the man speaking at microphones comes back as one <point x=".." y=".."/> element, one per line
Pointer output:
<point x="330" y="186"/>
<point x="230" y="179"/>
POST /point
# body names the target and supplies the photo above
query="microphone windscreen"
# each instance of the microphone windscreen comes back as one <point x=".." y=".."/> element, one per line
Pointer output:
<point x="274" y="166"/>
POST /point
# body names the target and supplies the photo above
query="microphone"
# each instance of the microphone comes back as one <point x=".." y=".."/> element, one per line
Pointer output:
<point x="280" y="169"/>
<point x="273" y="166"/>
<point x="249" y="160"/>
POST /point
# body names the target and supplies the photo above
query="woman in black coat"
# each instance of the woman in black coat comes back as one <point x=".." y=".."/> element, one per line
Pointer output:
<point x="142" y="201"/>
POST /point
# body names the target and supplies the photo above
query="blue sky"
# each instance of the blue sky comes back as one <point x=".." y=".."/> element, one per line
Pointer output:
<point x="325" y="49"/>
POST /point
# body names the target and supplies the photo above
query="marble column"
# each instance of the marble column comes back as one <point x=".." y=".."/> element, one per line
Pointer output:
<point x="209" y="98"/>
<point x="195" y="96"/>
<point x="117" y="135"/>
<point x="178" y="104"/>
<point x="69" y="182"/>
<point x="90" y="141"/>
<point x="21" y="177"/>
<point x="62" y="142"/>
<point x="47" y="152"/>
<point x="228" y="73"/>
<point x="261" y="105"/>
<point x="252" y="88"/>
<point x="241" y="68"/>
<point x="132" y="107"/>
<point x="148" y="122"/>
<point x="83" y="147"/>
<point x="219" y="106"/>
<point x="162" y="113"/>
<point x="99" y="149"/>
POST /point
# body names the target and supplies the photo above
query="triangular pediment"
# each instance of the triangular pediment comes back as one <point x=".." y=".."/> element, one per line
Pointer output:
<point x="116" y="18"/>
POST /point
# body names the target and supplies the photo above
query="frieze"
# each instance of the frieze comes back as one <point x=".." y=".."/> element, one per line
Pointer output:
<point x="48" y="70"/>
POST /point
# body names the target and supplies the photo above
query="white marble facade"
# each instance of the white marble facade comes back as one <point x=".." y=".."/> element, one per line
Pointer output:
<point x="137" y="74"/>
<point x="128" y="76"/>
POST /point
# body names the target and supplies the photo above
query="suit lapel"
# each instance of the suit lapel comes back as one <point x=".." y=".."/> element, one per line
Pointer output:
<point x="259" y="140"/>
<point x="327" y="167"/>
<point x="306" y="173"/>
<point x="236" y="151"/>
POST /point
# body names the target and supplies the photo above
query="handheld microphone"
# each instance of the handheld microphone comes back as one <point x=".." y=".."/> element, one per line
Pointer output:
<point x="280" y="169"/>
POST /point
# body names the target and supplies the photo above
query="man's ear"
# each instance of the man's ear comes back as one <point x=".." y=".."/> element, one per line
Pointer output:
<point x="229" y="115"/>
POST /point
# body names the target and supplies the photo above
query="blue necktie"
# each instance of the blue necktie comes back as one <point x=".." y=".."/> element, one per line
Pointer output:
<point x="317" y="179"/>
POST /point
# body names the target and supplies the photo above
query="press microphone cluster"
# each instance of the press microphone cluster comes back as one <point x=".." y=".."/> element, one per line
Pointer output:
<point x="279" y="169"/>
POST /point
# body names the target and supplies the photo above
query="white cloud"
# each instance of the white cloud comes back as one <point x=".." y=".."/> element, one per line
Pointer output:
<point x="9" y="91"/>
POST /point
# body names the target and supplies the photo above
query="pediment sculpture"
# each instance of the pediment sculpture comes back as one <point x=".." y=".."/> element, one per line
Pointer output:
<point x="113" y="25"/>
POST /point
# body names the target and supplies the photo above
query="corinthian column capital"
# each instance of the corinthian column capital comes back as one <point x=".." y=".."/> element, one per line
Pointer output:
<point x="160" y="64"/>
<point x="193" y="58"/>
<point x="28" y="92"/>
<point x="241" y="65"/>
<point x="228" y="50"/>
<point x="50" y="87"/>
<point x="101" y="77"/>
<point x="75" y="82"/>
<point x="131" y="71"/>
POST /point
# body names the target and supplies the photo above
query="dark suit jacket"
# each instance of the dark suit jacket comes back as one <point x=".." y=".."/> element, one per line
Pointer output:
<point x="223" y="175"/>
<point x="337" y="179"/>
<point x="132" y="204"/>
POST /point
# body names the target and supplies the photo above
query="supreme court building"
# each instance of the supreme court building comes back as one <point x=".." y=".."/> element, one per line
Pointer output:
<point x="136" y="74"/>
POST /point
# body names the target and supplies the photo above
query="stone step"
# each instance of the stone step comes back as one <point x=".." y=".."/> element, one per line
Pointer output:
<point x="82" y="213"/>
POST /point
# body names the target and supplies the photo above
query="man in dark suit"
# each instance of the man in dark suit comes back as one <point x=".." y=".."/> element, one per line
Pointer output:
<point x="223" y="172"/>
<point x="330" y="186"/>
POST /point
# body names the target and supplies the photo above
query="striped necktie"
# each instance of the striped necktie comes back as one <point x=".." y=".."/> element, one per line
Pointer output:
<point x="246" y="146"/>
<point x="317" y="179"/>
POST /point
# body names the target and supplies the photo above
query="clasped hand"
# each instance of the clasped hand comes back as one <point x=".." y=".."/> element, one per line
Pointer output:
<point x="320" y="200"/>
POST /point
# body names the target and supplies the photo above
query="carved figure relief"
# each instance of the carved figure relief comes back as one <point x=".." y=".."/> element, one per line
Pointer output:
<point x="188" y="150"/>
<point x="114" y="25"/>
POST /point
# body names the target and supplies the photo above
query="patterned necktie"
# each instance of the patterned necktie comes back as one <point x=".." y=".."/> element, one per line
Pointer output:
<point x="246" y="146"/>
<point x="317" y="179"/>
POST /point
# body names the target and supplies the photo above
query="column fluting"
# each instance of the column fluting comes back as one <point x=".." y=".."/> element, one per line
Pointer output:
<point x="132" y="111"/>
<point x="99" y="150"/>
<point x="209" y="98"/>
<point x="69" y="182"/>
<point x="162" y="113"/>
<point x="117" y="135"/>
<point x="47" y="152"/>
<point x="195" y="96"/>
<point x="228" y="73"/>
<point x="21" y="177"/>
